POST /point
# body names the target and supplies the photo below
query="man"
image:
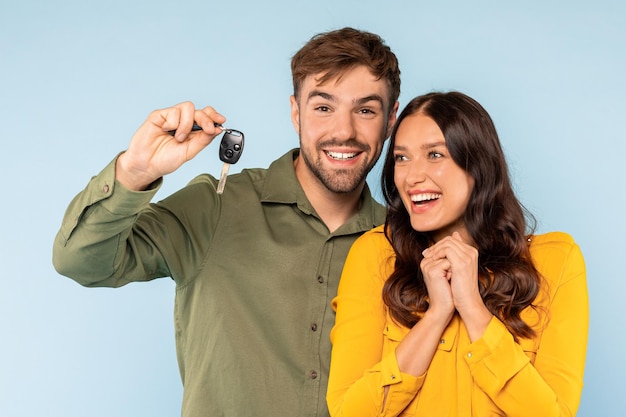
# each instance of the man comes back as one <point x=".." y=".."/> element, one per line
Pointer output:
<point x="257" y="266"/>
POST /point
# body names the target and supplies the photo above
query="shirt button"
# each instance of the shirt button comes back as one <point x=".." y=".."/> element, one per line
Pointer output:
<point x="313" y="375"/>
<point x="442" y="341"/>
<point x="469" y="354"/>
<point x="314" y="327"/>
<point x="105" y="189"/>
<point x="320" y="279"/>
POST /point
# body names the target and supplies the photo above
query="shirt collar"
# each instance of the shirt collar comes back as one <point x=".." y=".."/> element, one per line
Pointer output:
<point x="282" y="186"/>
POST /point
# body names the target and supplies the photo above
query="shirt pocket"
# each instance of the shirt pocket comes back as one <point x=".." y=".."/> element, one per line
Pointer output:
<point x="393" y="333"/>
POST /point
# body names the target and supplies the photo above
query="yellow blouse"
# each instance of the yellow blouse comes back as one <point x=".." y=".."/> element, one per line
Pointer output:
<point x="494" y="376"/>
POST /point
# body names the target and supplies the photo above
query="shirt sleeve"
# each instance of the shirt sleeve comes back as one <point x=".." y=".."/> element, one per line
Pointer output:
<point x="357" y="339"/>
<point x="551" y="385"/>
<point x="94" y="244"/>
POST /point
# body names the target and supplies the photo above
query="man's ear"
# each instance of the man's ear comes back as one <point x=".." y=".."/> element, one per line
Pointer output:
<point x="392" y="119"/>
<point x="295" y="113"/>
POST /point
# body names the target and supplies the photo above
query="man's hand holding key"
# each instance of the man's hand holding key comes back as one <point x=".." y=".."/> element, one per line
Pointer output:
<point x="166" y="140"/>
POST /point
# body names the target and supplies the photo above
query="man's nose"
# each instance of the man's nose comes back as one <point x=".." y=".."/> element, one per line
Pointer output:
<point x="344" y="125"/>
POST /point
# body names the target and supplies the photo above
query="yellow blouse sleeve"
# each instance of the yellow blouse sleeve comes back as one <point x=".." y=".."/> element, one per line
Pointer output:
<point x="357" y="338"/>
<point x="545" y="376"/>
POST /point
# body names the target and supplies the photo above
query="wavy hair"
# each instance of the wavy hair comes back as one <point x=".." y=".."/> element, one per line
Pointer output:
<point x="494" y="218"/>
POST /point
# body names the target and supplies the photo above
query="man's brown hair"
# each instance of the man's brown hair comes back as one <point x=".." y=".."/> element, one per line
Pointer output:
<point x="333" y="53"/>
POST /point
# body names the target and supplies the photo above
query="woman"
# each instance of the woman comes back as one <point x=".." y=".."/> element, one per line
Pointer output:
<point x="451" y="308"/>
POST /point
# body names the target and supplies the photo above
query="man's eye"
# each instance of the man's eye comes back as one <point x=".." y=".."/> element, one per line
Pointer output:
<point x="322" y="108"/>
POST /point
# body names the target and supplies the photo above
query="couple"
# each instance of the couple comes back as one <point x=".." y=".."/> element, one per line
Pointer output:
<point x="449" y="308"/>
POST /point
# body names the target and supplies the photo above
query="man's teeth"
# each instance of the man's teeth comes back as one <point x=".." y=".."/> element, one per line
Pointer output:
<point x="341" y="155"/>
<point x="420" y="198"/>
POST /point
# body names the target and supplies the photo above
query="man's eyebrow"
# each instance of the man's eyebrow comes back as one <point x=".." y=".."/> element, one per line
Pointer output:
<point x="373" y="97"/>
<point x="359" y="102"/>
<point x="319" y="93"/>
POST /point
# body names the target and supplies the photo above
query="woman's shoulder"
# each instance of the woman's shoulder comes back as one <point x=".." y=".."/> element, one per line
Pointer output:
<point x="556" y="255"/>
<point x="373" y="241"/>
<point x="551" y="242"/>
<point x="378" y="231"/>
<point x="554" y="238"/>
<point x="375" y="237"/>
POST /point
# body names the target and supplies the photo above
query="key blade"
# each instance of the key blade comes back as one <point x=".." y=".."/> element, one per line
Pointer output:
<point x="222" y="183"/>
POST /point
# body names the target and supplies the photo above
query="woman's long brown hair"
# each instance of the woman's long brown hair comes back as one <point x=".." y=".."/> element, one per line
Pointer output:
<point x="494" y="218"/>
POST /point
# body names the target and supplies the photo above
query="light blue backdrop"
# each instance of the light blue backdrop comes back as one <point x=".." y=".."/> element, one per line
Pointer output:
<point x="78" y="77"/>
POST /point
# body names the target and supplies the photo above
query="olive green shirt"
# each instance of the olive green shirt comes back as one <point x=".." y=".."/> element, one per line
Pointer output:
<point x="255" y="271"/>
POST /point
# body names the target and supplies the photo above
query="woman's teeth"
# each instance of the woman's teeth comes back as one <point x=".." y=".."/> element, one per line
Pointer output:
<point x="425" y="197"/>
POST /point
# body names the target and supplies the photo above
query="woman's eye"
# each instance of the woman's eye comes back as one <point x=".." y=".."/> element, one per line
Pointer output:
<point x="399" y="158"/>
<point x="435" y="155"/>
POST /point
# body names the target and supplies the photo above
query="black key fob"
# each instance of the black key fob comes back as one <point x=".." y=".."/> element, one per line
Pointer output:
<point x="231" y="146"/>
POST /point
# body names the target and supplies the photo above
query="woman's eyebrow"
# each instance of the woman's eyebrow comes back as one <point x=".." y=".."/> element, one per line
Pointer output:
<point x="431" y="145"/>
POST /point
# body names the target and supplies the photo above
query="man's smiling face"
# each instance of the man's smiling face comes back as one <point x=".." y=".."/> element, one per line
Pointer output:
<point x="342" y="126"/>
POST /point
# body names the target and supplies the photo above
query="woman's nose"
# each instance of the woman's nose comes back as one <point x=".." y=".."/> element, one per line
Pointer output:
<point x="415" y="173"/>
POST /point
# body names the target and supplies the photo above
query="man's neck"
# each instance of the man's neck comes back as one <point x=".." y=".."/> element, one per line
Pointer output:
<point x="333" y="208"/>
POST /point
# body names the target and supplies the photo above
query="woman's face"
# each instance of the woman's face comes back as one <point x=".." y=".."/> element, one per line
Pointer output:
<point x="434" y="189"/>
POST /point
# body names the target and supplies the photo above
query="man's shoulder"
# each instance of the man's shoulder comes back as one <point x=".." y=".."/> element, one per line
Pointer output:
<point x="379" y="213"/>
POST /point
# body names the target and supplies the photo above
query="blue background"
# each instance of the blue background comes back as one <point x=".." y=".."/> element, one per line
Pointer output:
<point x="78" y="77"/>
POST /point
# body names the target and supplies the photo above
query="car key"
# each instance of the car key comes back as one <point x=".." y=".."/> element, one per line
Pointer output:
<point x="231" y="148"/>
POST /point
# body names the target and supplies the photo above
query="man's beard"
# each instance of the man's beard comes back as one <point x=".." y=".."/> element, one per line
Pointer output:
<point x="338" y="180"/>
